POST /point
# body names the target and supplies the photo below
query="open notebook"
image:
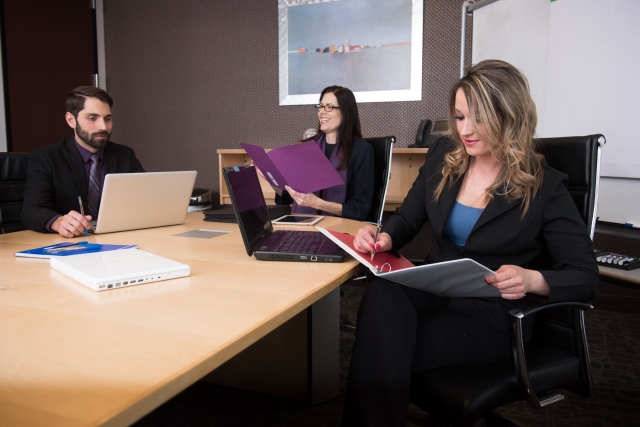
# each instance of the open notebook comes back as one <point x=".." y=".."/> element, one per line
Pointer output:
<point x="458" y="278"/>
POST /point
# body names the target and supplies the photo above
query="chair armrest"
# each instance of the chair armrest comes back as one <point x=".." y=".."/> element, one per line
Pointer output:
<point x="517" y="350"/>
<point x="532" y="310"/>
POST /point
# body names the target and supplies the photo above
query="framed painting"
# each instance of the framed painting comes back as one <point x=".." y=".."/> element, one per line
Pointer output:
<point x="373" y="47"/>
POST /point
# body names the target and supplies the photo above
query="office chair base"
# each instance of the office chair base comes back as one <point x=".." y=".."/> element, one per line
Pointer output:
<point x="551" y="398"/>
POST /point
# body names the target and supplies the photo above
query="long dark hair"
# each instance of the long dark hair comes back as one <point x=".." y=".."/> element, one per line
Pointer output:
<point x="350" y="125"/>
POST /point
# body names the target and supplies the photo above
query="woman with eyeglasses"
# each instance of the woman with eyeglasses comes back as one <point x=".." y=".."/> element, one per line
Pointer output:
<point x="340" y="138"/>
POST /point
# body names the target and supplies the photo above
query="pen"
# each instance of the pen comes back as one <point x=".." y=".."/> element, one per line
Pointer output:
<point x="375" y="239"/>
<point x="58" y="245"/>
<point x="66" y="248"/>
<point x="86" y="232"/>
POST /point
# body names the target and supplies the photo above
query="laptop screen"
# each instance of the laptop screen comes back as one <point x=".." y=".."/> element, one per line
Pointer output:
<point x="246" y="193"/>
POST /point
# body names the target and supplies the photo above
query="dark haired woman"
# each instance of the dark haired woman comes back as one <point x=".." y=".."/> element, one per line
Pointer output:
<point x="490" y="197"/>
<point x="340" y="138"/>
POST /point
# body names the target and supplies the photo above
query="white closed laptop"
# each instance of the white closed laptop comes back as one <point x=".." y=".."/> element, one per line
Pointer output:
<point x="101" y="271"/>
<point x="131" y="201"/>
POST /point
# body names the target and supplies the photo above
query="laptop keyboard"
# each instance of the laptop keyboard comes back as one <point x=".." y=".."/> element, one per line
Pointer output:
<point x="300" y="242"/>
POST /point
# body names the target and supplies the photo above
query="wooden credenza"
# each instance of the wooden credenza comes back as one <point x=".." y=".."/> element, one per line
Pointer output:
<point x="405" y="163"/>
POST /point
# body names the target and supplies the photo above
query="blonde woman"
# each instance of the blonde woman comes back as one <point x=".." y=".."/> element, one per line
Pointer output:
<point x="487" y="196"/>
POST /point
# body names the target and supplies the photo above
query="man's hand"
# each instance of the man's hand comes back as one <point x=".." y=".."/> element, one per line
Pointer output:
<point x="71" y="224"/>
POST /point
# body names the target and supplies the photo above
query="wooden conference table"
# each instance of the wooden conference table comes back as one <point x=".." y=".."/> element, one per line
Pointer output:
<point x="70" y="356"/>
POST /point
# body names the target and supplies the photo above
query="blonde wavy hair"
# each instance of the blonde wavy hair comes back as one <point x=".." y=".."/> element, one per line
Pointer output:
<point x="498" y="97"/>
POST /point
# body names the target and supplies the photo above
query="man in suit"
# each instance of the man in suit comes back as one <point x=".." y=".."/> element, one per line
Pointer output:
<point x="75" y="167"/>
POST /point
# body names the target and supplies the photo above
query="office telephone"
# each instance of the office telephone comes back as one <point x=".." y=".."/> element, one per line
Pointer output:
<point x="429" y="132"/>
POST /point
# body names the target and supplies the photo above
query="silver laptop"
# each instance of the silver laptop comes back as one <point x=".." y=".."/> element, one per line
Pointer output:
<point x="143" y="200"/>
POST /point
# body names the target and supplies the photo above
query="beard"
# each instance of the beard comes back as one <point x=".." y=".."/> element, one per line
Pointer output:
<point x="90" y="138"/>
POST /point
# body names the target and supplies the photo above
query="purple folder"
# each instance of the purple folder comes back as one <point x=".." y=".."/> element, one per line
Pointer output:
<point x="303" y="167"/>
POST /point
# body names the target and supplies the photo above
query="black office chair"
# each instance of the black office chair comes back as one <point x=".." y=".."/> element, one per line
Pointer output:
<point x="382" y="148"/>
<point x="13" y="180"/>
<point x="557" y="356"/>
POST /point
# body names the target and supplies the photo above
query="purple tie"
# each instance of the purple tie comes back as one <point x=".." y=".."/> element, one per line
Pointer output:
<point x="93" y="196"/>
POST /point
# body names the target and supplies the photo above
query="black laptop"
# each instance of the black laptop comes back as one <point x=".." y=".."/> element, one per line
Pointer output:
<point x="257" y="232"/>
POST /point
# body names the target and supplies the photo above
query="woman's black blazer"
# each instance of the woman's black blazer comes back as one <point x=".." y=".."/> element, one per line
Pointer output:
<point x="551" y="238"/>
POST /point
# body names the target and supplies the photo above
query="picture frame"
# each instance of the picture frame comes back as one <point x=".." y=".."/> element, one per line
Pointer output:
<point x="373" y="47"/>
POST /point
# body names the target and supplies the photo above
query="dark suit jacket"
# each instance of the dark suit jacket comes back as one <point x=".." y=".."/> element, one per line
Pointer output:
<point x="551" y="238"/>
<point x="56" y="177"/>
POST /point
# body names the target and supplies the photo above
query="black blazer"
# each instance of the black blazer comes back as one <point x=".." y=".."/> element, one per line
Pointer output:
<point x="56" y="177"/>
<point x="551" y="238"/>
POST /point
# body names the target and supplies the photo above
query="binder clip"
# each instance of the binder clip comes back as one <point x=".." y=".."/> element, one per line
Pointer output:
<point x="381" y="269"/>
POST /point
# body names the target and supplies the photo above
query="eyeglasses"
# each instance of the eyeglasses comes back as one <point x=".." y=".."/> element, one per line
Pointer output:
<point x="328" y="108"/>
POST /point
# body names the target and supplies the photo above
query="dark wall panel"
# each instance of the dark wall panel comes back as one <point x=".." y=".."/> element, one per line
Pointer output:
<point x="49" y="50"/>
<point x="190" y="77"/>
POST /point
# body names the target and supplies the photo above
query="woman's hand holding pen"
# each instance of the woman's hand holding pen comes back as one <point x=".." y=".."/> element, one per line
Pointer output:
<point x="364" y="240"/>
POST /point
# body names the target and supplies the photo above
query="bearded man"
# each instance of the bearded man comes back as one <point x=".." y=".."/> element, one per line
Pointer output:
<point x="75" y="167"/>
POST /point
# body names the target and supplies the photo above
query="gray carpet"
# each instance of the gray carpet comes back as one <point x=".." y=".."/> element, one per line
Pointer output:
<point x="614" y="344"/>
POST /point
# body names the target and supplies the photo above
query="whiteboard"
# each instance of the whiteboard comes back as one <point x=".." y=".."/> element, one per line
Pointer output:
<point x="592" y="79"/>
<point x="516" y="31"/>
<point x="582" y="60"/>
<point x="619" y="199"/>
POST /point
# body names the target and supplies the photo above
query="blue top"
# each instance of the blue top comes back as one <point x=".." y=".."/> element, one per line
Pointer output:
<point x="460" y="223"/>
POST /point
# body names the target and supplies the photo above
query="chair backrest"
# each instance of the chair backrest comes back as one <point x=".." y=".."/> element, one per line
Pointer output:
<point x="382" y="149"/>
<point x="13" y="180"/>
<point x="579" y="158"/>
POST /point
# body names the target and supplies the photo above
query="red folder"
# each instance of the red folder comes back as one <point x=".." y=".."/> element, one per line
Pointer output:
<point x="382" y="261"/>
